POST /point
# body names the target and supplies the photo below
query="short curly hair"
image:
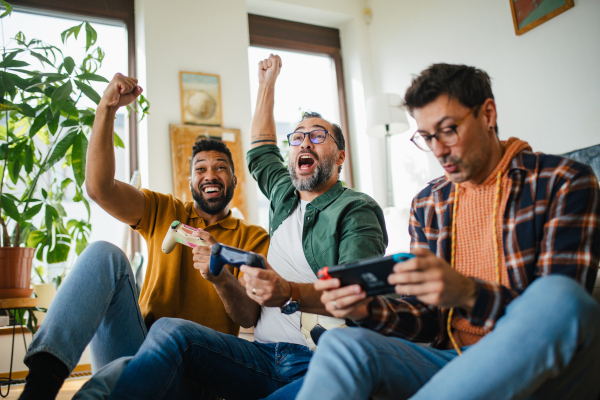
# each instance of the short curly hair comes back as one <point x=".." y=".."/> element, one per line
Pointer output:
<point x="209" y="144"/>
<point x="469" y="85"/>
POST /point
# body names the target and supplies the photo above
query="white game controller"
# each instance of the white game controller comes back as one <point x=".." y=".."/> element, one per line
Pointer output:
<point x="181" y="233"/>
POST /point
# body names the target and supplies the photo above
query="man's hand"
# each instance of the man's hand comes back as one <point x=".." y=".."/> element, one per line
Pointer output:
<point x="433" y="281"/>
<point x="121" y="91"/>
<point x="266" y="287"/>
<point x="347" y="302"/>
<point x="268" y="69"/>
<point x="202" y="257"/>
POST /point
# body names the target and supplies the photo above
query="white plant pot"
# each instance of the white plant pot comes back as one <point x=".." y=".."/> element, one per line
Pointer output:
<point x="45" y="293"/>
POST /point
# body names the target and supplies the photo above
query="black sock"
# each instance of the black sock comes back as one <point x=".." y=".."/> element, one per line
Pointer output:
<point x="46" y="376"/>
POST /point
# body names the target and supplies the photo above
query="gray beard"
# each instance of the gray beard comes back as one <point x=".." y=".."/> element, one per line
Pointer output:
<point x="322" y="174"/>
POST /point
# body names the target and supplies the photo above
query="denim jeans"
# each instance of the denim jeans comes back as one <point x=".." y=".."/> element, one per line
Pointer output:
<point x="96" y="304"/>
<point x="232" y="368"/>
<point x="546" y="346"/>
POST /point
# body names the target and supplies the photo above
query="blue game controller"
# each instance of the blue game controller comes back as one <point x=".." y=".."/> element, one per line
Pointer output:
<point x="221" y="254"/>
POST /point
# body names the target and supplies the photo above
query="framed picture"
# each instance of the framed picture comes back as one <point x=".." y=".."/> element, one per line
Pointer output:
<point x="183" y="138"/>
<point x="527" y="14"/>
<point x="200" y="98"/>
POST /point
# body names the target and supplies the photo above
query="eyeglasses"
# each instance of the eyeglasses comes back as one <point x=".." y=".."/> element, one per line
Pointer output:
<point x="316" y="137"/>
<point x="448" y="135"/>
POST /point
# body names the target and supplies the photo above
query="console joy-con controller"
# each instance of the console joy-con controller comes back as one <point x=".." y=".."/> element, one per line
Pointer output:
<point x="221" y="254"/>
<point x="181" y="233"/>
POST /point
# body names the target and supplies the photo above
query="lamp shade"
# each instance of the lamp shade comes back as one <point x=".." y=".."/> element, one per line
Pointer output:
<point x="386" y="109"/>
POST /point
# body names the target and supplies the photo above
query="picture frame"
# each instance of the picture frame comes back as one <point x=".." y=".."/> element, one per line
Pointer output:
<point x="183" y="138"/>
<point x="527" y="14"/>
<point x="200" y="98"/>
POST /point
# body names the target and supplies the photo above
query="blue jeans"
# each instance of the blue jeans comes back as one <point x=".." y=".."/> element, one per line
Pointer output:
<point x="230" y="367"/>
<point x="546" y="346"/>
<point x="96" y="304"/>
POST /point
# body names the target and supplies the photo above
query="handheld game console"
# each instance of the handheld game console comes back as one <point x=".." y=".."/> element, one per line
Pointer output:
<point x="221" y="254"/>
<point x="181" y="233"/>
<point x="370" y="274"/>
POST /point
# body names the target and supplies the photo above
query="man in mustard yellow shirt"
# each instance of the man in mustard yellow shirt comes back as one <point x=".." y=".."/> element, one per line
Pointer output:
<point x="97" y="304"/>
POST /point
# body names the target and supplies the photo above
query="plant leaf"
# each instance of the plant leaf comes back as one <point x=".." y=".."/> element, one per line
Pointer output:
<point x="90" y="36"/>
<point x="69" y="64"/>
<point x="52" y="120"/>
<point x="13" y="64"/>
<point x="61" y="148"/>
<point x="10" y="209"/>
<point x="8" y="7"/>
<point x="29" y="155"/>
<point x="87" y="206"/>
<point x="51" y="75"/>
<point x="70" y="110"/>
<point x="78" y="159"/>
<point x="60" y="96"/>
<point x="119" y="142"/>
<point x="21" y="83"/>
<point x="60" y="209"/>
<point x="59" y="253"/>
<point x="27" y="110"/>
<point x="89" y="92"/>
<point x="38" y="124"/>
<point x="9" y="84"/>
<point x="32" y="212"/>
<point x="66" y="182"/>
<point x="69" y="122"/>
<point x="74" y="30"/>
<point x="88" y="76"/>
<point x="51" y="215"/>
<point x="14" y="171"/>
<point x="41" y="58"/>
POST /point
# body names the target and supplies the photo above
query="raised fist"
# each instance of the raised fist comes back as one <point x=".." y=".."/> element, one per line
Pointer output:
<point x="121" y="91"/>
<point x="268" y="69"/>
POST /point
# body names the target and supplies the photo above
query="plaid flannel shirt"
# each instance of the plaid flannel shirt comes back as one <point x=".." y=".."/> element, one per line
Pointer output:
<point x="551" y="226"/>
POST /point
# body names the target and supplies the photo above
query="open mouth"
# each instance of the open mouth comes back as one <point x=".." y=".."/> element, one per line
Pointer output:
<point x="306" y="162"/>
<point x="211" y="190"/>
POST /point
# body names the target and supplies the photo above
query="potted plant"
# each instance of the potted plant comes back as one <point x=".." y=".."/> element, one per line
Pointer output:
<point x="44" y="132"/>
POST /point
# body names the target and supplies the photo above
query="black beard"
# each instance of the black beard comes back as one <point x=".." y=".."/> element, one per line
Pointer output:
<point x="213" y="206"/>
<point x="322" y="174"/>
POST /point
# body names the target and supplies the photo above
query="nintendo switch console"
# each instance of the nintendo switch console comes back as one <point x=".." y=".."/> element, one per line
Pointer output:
<point x="181" y="233"/>
<point x="221" y="254"/>
<point x="370" y="274"/>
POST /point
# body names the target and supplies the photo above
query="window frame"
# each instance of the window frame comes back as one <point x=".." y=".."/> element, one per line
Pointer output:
<point x="306" y="38"/>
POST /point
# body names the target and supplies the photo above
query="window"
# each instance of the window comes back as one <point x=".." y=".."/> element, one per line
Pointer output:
<point x="311" y="80"/>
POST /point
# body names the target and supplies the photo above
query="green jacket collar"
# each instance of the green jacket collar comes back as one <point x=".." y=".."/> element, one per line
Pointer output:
<point x="326" y="198"/>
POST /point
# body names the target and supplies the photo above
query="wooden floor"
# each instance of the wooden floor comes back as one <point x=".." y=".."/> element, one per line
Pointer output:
<point x="70" y="387"/>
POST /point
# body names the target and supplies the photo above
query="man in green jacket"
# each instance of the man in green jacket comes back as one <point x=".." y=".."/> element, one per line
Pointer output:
<point x="314" y="222"/>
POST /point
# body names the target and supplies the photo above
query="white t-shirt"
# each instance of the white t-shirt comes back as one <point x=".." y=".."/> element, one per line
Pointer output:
<point x="287" y="259"/>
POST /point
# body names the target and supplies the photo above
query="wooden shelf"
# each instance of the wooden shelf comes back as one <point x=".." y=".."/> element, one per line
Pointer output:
<point x="26" y="302"/>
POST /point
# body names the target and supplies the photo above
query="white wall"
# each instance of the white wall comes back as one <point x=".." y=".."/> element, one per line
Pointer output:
<point x="189" y="35"/>
<point x="546" y="82"/>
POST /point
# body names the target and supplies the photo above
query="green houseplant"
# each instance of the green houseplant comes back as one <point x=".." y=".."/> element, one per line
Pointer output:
<point x="44" y="132"/>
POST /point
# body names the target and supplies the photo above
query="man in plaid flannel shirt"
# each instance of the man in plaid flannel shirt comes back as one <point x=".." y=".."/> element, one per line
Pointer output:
<point x="506" y="245"/>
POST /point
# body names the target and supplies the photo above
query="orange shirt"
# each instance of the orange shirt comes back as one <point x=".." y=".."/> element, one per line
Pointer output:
<point x="475" y="234"/>
<point x="173" y="287"/>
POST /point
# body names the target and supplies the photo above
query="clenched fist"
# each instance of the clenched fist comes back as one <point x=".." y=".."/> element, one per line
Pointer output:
<point x="268" y="69"/>
<point x="121" y="91"/>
